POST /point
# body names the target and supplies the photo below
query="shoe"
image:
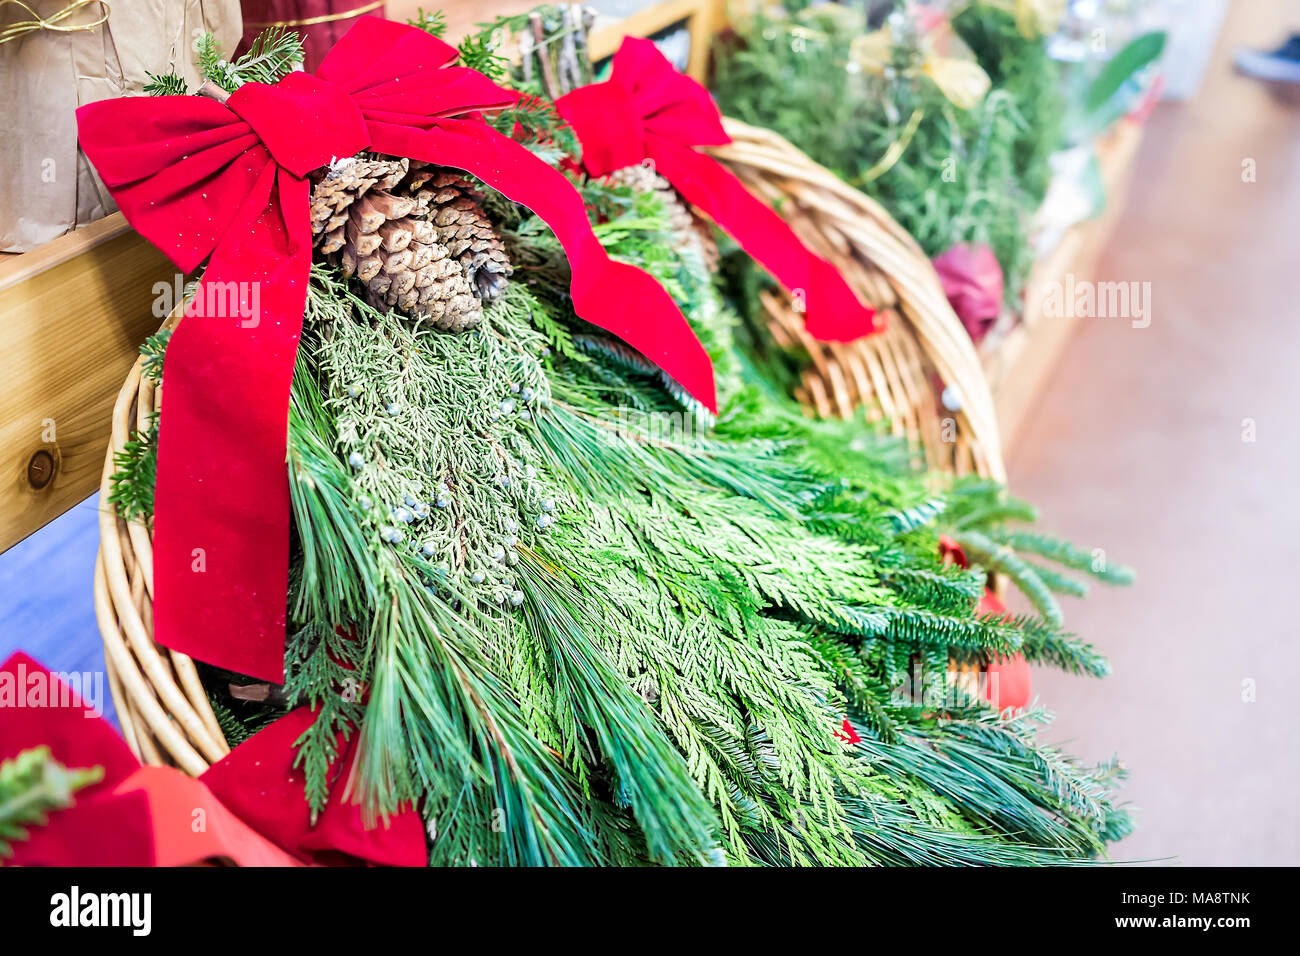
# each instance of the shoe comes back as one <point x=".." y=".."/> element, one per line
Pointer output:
<point x="1279" y="66"/>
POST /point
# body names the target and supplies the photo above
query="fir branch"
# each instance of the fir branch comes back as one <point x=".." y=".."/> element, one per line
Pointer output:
<point x="135" y="473"/>
<point x="478" y="51"/>
<point x="948" y="589"/>
<point x="32" y="785"/>
<point x="1062" y="552"/>
<point x="923" y="628"/>
<point x="1045" y="643"/>
<point x="212" y="65"/>
<point x="238" y="727"/>
<point x="917" y="516"/>
<point x="433" y="23"/>
<point x="152" y="354"/>
<point x="273" y="54"/>
<point x="982" y="550"/>
<point x="165" y="84"/>
<point x="536" y="123"/>
<point x="1059" y="583"/>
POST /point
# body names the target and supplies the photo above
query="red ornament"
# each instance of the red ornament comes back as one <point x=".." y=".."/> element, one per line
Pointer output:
<point x="1008" y="680"/>
<point x="1010" y="683"/>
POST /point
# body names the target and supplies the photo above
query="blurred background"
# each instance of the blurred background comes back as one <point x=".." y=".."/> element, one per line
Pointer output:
<point x="1166" y="437"/>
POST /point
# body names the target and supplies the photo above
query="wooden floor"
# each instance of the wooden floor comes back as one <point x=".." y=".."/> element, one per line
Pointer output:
<point x="1136" y="446"/>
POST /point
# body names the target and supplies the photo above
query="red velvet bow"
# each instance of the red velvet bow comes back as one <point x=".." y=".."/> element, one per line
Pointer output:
<point x="649" y="111"/>
<point x="200" y="178"/>
<point x="249" y="808"/>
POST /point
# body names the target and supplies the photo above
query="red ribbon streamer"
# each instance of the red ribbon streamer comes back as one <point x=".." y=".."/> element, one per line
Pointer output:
<point x="649" y="111"/>
<point x="200" y="178"/>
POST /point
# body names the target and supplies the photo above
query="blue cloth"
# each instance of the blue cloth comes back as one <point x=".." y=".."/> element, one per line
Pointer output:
<point x="47" y="601"/>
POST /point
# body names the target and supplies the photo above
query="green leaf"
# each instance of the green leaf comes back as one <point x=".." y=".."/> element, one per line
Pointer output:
<point x="1137" y="53"/>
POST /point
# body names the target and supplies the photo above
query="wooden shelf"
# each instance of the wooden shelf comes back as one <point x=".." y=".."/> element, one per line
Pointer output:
<point x="74" y="313"/>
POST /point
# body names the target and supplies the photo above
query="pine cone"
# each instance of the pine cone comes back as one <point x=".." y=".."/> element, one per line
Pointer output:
<point x="690" y="229"/>
<point x="447" y="200"/>
<point x="429" y="255"/>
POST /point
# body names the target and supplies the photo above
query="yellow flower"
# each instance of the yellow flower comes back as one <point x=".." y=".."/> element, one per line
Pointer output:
<point x="964" y="83"/>
<point x="872" y="51"/>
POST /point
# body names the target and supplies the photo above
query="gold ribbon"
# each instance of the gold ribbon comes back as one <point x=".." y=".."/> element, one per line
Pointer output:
<point x="323" y="18"/>
<point x="893" y="153"/>
<point x="54" y="22"/>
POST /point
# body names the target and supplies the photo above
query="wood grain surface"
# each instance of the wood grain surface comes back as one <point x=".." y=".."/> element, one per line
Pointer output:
<point x="72" y="316"/>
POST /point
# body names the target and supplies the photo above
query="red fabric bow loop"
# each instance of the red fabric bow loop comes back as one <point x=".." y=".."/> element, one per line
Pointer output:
<point x="619" y="141"/>
<point x="303" y="121"/>
<point x="202" y="179"/>
<point x="648" y="112"/>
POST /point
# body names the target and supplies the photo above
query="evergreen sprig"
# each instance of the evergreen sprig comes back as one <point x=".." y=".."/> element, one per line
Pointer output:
<point x="165" y="84"/>
<point x="135" y="471"/>
<point x="32" y="785"/>
<point x="274" y="53"/>
<point x="433" y="23"/>
<point x="975" y="175"/>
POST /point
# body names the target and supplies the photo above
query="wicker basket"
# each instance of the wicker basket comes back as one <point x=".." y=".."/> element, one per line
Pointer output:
<point x="898" y="374"/>
<point x="161" y="704"/>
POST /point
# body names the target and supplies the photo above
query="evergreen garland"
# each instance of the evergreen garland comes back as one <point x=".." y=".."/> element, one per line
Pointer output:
<point x="576" y="619"/>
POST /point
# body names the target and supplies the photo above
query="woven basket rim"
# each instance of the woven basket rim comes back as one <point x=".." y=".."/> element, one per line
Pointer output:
<point x="876" y="241"/>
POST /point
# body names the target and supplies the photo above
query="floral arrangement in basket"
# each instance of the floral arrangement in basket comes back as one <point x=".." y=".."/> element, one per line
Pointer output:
<point x="497" y="559"/>
<point x="947" y="115"/>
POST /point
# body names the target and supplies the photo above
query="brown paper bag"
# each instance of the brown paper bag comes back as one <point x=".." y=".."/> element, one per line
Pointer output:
<point x="46" y="185"/>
